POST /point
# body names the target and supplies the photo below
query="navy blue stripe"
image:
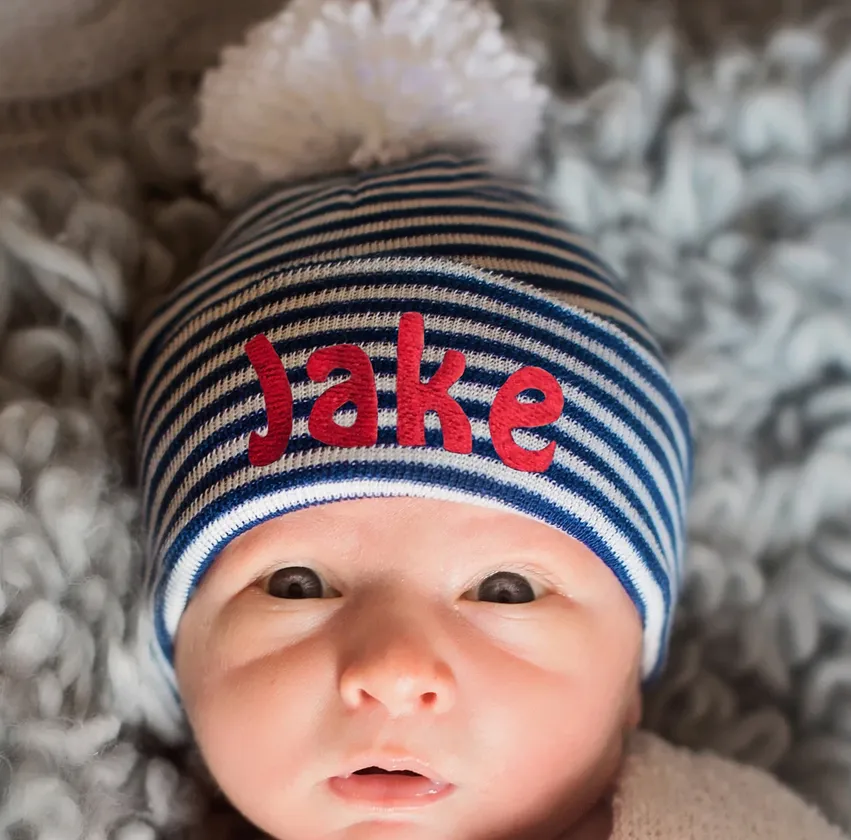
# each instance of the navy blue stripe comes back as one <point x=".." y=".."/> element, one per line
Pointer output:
<point x="314" y="196"/>
<point x="545" y="308"/>
<point x="240" y="362"/>
<point x="476" y="485"/>
<point x="644" y="338"/>
<point x="439" y="214"/>
<point x="344" y="197"/>
<point x="434" y="249"/>
<point x="561" y="476"/>
<point x="520" y="202"/>
<point x="490" y="249"/>
<point x="521" y="206"/>
<point x="350" y="194"/>
<point x="536" y="281"/>
<point x="440" y="168"/>
<point x="443" y="170"/>
<point x="383" y="366"/>
<point x="441" y="223"/>
<point x="576" y="287"/>
<point x="288" y="290"/>
<point x="428" y="203"/>
<point x="475" y="411"/>
<point x="259" y="256"/>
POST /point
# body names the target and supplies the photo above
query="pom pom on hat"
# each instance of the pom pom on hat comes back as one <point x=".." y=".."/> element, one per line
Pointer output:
<point x="334" y="85"/>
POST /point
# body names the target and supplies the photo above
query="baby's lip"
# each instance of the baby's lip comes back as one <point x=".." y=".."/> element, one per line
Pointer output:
<point x="386" y="791"/>
<point x="392" y="760"/>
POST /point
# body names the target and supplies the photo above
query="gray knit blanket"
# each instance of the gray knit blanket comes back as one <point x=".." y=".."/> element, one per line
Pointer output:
<point x="715" y="173"/>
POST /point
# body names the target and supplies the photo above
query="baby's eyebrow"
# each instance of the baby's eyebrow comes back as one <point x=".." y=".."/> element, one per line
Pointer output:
<point x="313" y="540"/>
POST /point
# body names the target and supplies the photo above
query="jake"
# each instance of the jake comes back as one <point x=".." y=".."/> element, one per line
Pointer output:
<point x="413" y="399"/>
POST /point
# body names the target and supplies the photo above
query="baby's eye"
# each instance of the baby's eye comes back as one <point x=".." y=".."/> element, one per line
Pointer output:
<point x="505" y="588"/>
<point x="295" y="582"/>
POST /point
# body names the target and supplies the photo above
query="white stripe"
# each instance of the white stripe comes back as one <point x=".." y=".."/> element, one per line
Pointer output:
<point x="163" y="379"/>
<point x="177" y="590"/>
<point x="226" y="284"/>
<point x="229" y="301"/>
<point x="482" y="395"/>
<point x="437" y="167"/>
<point x="421" y="213"/>
<point x="148" y="644"/>
<point x="385" y="350"/>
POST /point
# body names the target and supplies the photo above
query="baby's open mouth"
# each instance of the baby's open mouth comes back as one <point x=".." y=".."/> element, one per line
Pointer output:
<point x="402" y="787"/>
<point x="370" y="770"/>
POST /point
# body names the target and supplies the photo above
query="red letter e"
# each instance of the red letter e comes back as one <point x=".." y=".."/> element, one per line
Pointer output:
<point x="507" y="414"/>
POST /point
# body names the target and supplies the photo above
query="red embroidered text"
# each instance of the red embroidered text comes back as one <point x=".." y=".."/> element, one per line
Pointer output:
<point x="413" y="399"/>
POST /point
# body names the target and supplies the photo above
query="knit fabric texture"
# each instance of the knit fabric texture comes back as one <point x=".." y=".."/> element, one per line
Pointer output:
<point x="64" y="63"/>
<point x="666" y="792"/>
<point x="391" y="334"/>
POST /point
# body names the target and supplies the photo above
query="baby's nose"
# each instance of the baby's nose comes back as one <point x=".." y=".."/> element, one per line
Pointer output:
<point x="398" y="667"/>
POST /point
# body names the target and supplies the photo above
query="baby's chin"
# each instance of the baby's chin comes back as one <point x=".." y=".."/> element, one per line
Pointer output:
<point x="595" y="825"/>
<point x="590" y="818"/>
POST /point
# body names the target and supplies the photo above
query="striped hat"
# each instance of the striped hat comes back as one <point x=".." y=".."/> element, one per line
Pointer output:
<point x="428" y="328"/>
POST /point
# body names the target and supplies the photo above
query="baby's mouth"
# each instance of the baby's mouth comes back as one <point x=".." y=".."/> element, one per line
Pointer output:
<point x="395" y="785"/>
<point x="368" y="771"/>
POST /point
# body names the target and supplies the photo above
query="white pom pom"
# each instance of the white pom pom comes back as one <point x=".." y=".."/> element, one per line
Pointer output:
<point x="331" y="85"/>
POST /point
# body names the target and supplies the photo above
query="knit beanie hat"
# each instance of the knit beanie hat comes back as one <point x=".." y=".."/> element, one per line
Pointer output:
<point x="398" y="314"/>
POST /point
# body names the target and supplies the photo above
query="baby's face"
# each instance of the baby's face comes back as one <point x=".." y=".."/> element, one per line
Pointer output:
<point x="491" y="653"/>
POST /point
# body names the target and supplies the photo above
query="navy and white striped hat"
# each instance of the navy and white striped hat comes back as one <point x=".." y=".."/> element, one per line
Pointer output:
<point x="373" y="335"/>
<point x="420" y="323"/>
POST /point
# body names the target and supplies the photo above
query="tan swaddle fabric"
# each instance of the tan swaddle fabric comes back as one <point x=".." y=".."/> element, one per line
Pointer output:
<point x="672" y="793"/>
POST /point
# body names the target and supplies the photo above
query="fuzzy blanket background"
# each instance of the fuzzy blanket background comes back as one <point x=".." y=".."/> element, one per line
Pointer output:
<point x="715" y="171"/>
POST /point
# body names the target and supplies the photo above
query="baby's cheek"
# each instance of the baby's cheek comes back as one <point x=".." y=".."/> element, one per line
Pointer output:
<point x="558" y="661"/>
<point x="565" y="667"/>
<point x="550" y="742"/>
<point x="554" y="635"/>
<point x="257" y="719"/>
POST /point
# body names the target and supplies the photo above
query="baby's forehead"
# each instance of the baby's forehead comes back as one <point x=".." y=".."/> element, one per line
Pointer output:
<point x="373" y="516"/>
<point x="411" y="527"/>
<point x="394" y="536"/>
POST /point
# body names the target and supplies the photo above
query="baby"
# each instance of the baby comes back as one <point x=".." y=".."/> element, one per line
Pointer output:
<point x="414" y="473"/>
<point x="487" y="663"/>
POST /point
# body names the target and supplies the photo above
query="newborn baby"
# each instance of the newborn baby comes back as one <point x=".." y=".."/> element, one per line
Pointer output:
<point x="489" y="654"/>
<point x="414" y="474"/>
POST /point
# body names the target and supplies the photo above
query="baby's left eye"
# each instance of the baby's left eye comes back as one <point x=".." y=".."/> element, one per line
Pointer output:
<point x="506" y="588"/>
<point x="295" y="582"/>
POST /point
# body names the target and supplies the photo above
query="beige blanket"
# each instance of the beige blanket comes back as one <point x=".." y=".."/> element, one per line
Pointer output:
<point x="671" y="793"/>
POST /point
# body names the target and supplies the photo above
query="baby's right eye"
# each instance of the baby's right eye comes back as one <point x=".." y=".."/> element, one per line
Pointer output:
<point x="295" y="582"/>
